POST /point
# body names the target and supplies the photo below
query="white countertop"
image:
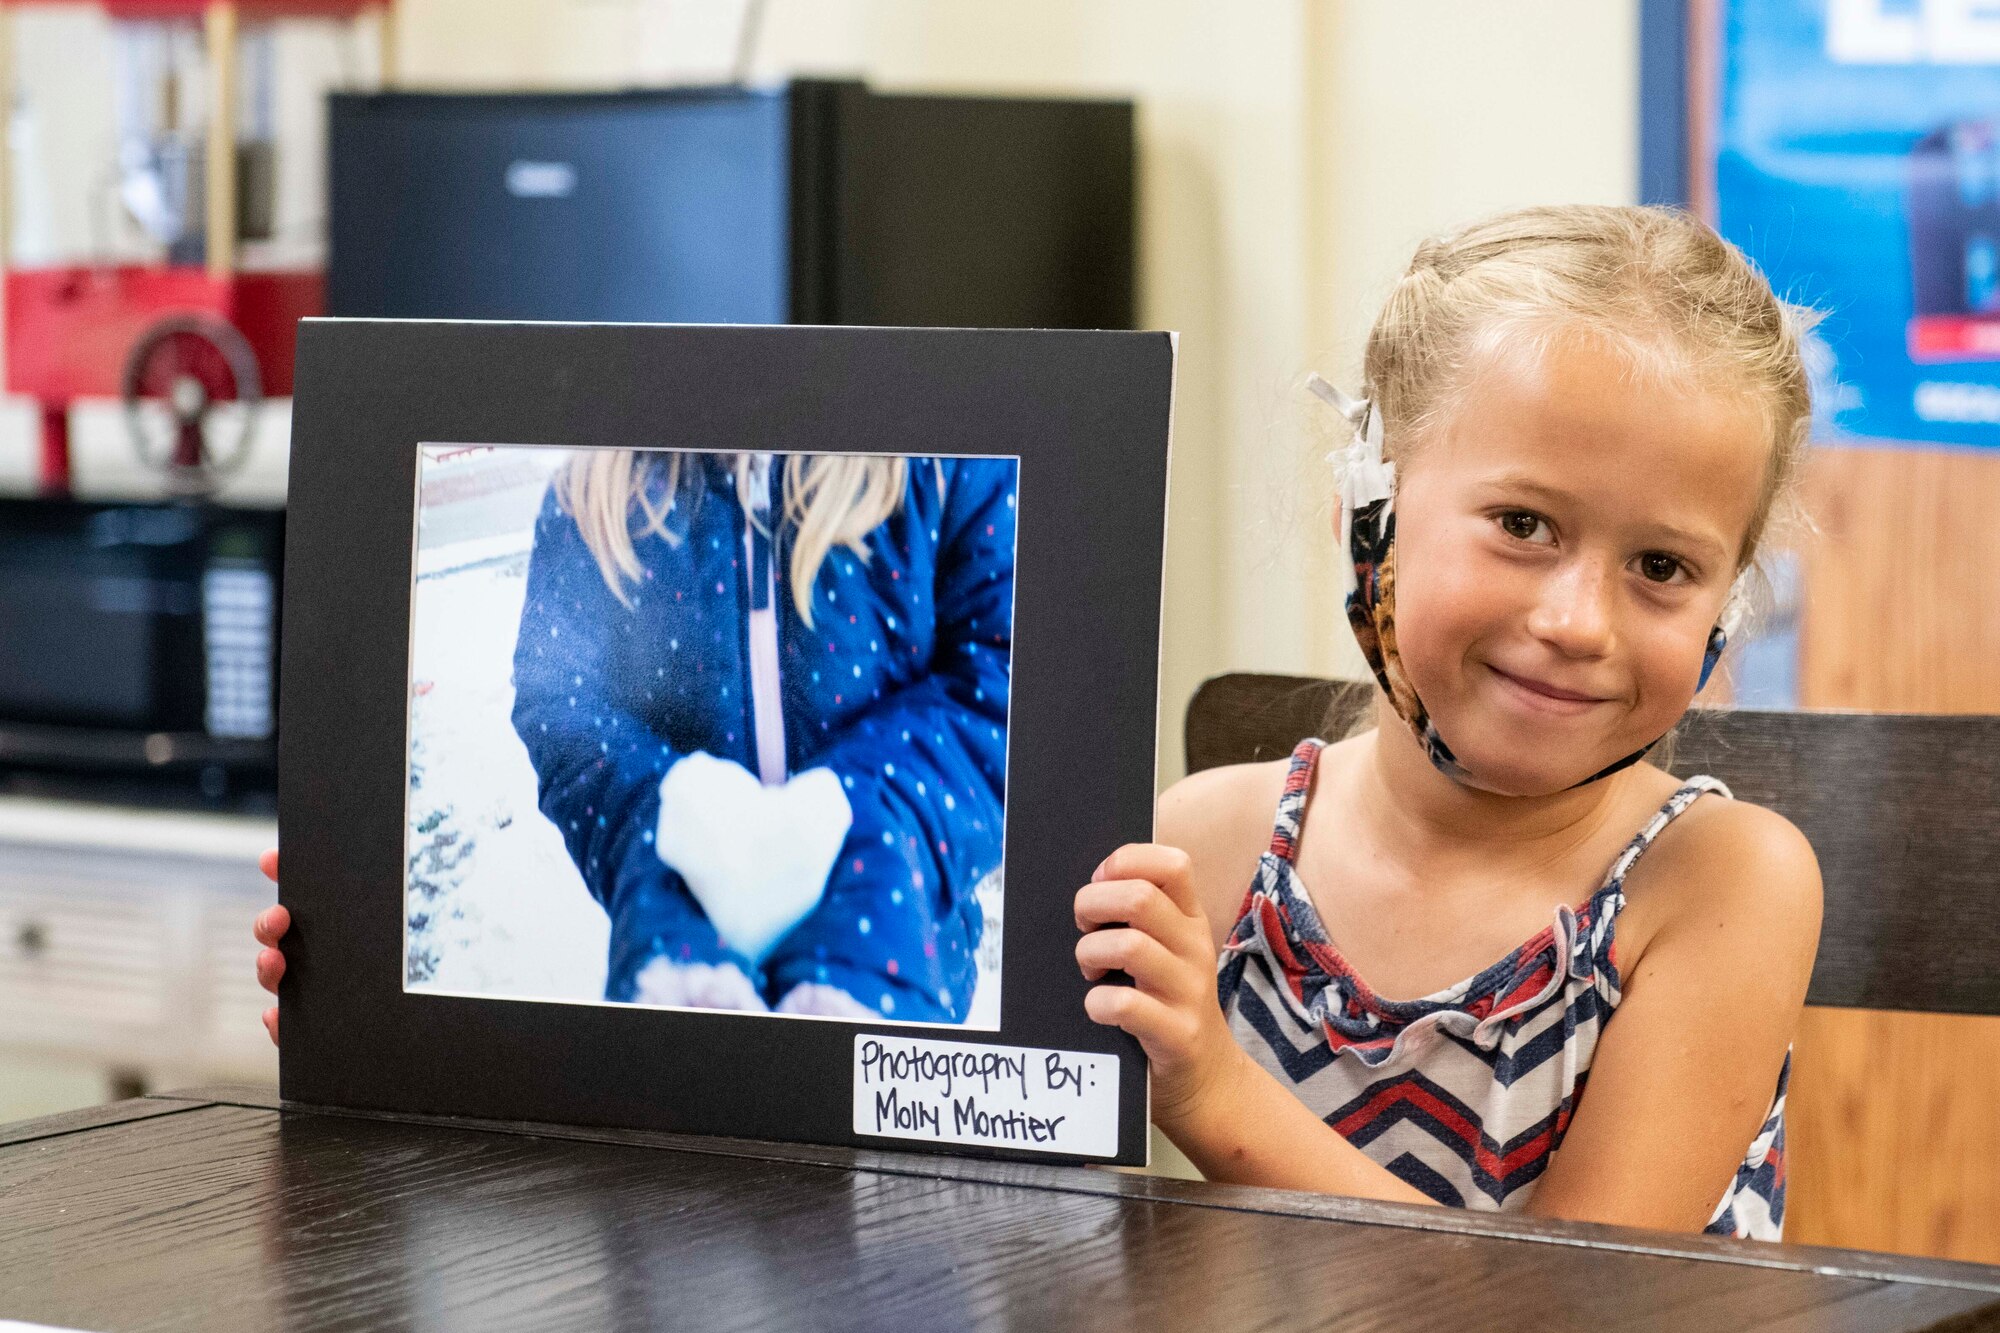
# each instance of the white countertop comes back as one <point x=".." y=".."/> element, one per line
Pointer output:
<point x="51" y="823"/>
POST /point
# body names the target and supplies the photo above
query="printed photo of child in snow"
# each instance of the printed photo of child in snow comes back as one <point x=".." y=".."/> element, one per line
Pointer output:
<point x="744" y="746"/>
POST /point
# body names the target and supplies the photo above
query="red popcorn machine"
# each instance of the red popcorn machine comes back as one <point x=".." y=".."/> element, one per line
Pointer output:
<point x="178" y="327"/>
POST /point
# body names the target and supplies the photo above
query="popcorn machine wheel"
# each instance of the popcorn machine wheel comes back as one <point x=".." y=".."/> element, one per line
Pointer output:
<point x="191" y="343"/>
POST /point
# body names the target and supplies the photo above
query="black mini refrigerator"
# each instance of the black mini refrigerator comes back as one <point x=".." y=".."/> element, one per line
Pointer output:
<point x="815" y="203"/>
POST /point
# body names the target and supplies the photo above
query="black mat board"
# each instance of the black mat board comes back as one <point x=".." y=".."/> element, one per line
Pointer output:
<point x="1086" y="413"/>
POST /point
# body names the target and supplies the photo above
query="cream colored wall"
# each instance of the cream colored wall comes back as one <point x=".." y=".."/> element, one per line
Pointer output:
<point x="1291" y="154"/>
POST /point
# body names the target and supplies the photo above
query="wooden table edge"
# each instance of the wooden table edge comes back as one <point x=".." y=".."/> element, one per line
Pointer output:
<point x="1823" y="1260"/>
<point x="98" y="1117"/>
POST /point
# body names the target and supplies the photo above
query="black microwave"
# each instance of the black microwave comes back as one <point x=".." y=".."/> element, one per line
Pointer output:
<point x="139" y="644"/>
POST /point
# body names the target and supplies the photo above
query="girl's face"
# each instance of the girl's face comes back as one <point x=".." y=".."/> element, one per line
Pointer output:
<point x="1563" y="546"/>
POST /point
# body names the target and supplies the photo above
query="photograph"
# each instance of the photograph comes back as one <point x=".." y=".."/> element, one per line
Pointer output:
<point x="706" y="730"/>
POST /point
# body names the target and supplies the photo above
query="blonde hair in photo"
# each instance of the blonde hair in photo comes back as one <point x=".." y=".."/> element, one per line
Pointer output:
<point x="829" y="500"/>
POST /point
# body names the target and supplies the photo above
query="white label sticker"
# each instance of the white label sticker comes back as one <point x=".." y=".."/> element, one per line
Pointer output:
<point x="997" y="1096"/>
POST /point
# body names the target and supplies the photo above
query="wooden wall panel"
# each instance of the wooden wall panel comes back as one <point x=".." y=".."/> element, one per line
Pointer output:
<point x="1902" y="585"/>
<point x="1895" y="1135"/>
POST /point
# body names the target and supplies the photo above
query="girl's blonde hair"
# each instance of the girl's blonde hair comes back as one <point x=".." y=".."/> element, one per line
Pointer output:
<point x="829" y="500"/>
<point x="1656" y="283"/>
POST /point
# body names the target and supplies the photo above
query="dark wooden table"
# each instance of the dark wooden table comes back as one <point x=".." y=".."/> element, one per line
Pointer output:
<point x="218" y="1209"/>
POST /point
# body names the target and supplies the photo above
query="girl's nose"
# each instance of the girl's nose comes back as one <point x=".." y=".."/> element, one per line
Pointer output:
<point x="1574" y="612"/>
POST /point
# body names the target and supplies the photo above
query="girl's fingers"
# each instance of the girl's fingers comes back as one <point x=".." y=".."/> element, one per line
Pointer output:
<point x="1159" y="1026"/>
<point x="271" y="925"/>
<point x="268" y="863"/>
<point x="1168" y="867"/>
<point x="271" y="1023"/>
<point x="1153" y="968"/>
<point x="1143" y="905"/>
<point x="1119" y="927"/>
<point x="270" y="969"/>
<point x="1139" y="903"/>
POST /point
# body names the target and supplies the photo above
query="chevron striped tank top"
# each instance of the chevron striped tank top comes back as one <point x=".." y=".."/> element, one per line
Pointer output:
<point x="1464" y="1094"/>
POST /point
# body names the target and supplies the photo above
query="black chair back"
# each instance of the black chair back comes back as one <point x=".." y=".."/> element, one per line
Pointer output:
<point x="1902" y="809"/>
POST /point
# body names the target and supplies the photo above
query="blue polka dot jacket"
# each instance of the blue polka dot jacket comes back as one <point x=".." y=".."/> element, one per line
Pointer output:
<point x="899" y="686"/>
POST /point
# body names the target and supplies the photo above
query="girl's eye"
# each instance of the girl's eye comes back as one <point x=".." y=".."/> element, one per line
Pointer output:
<point x="1522" y="525"/>
<point x="1659" y="567"/>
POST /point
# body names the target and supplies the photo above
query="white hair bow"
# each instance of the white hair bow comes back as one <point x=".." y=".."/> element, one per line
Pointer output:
<point x="1364" y="475"/>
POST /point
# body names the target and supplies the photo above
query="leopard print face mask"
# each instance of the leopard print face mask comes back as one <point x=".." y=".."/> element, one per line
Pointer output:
<point x="1368" y="523"/>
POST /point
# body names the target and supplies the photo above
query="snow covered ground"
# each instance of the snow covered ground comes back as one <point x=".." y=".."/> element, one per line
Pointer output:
<point x="494" y="905"/>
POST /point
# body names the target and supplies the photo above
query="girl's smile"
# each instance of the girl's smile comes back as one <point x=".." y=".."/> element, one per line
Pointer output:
<point x="1542" y="697"/>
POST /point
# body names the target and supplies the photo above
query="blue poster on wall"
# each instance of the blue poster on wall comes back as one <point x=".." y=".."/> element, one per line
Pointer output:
<point x="1857" y="160"/>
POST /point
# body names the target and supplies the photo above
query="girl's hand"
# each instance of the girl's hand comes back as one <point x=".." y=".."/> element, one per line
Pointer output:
<point x="1140" y="915"/>
<point x="270" y="927"/>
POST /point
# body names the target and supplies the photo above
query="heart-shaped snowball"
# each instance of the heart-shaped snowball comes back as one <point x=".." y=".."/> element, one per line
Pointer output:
<point x="755" y="857"/>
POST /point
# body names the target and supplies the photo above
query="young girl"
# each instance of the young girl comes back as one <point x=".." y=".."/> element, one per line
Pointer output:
<point x="1488" y="902"/>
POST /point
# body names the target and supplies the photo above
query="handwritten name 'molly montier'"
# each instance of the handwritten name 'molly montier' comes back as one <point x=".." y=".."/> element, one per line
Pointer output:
<point x="914" y="1116"/>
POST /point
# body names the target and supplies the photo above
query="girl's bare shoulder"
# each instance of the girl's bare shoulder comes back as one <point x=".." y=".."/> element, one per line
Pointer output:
<point x="1222" y="818"/>
<point x="1731" y="865"/>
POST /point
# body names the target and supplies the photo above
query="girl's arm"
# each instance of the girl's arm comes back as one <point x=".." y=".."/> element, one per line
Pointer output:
<point x="1685" y="1071"/>
<point x="924" y="771"/>
<point x="1141" y="912"/>
<point x="598" y="766"/>
<point x="1165" y="910"/>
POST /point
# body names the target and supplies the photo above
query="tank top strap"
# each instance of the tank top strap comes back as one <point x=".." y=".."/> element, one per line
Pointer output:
<point x="1675" y="806"/>
<point x="1292" y="802"/>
